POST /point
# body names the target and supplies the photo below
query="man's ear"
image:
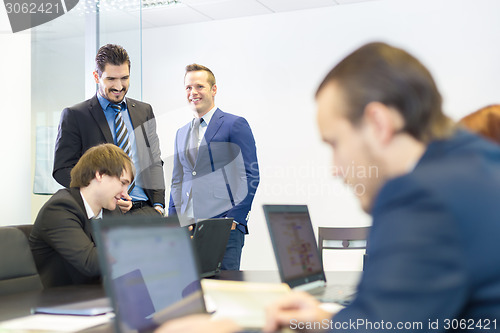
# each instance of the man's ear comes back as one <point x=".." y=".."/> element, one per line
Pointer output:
<point x="98" y="176"/>
<point x="383" y="121"/>
<point x="214" y="90"/>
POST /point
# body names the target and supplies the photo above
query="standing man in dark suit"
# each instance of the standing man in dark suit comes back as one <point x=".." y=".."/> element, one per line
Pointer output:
<point x="61" y="240"/>
<point x="215" y="171"/>
<point x="109" y="117"/>
<point x="433" y="192"/>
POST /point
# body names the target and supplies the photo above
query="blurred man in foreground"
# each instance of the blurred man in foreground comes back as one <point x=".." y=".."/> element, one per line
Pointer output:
<point x="431" y="263"/>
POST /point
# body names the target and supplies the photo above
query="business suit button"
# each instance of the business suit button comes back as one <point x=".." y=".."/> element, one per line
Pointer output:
<point x="194" y="173"/>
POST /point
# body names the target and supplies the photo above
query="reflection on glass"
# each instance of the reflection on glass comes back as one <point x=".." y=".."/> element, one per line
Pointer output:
<point x="62" y="54"/>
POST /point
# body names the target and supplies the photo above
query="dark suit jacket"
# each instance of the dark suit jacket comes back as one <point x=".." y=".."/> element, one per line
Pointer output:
<point x="433" y="249"/>
<point x="62" y="242"/>
<point x="225" y="177"/>
<point x="84" y="125"/>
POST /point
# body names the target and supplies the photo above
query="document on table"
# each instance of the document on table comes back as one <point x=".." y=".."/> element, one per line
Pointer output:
<point x="53" y="323"/>
<point x="243" y="302"/>
<point x="86" y="308"/>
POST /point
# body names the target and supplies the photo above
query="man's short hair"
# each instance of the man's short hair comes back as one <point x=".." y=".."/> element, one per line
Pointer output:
<point x="198" y="67"/>
<point x="106" y="159"/>
<point x="378" y="72"/>
<point x="110" y="54"/>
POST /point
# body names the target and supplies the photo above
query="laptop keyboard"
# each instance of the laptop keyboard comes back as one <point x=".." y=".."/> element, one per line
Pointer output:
<point x="340" y="294"/>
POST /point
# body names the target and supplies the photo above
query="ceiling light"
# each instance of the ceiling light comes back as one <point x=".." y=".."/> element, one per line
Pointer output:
<point x="106" y="6"/>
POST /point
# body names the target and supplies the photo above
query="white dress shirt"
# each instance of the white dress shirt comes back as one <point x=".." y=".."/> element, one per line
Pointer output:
<point x="201" y="134"/>
<point x="88" y="209"/>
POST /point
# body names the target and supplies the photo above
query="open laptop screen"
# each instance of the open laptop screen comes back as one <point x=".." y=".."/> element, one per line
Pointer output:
<point x="294" y="243"/>
<point x="150" y="271"/>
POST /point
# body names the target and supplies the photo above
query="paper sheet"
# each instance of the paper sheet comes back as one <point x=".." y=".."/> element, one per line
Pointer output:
<point x="243" y="302"/>
<point x="53" y="323"/>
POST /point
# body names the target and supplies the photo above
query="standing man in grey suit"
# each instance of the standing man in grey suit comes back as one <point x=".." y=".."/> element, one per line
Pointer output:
<point x="109" y="117"/>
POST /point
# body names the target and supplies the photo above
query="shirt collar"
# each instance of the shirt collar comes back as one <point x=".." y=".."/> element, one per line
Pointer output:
<point x="208" y="116"/>
<point x="105" y="103"/>
<point x="88" y="209"/>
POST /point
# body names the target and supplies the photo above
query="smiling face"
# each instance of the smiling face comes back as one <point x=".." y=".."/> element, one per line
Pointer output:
<point x="353" y="159"/>
<point x="200" y="95"/>
<point x="113" y="82"/>
<point x="112" y="189"/>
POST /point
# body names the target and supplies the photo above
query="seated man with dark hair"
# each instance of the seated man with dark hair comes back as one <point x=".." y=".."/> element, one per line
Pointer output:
<point x="61" y="239"/>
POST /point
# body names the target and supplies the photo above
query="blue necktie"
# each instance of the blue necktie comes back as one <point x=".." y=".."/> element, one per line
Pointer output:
<point x="122" y="137"/>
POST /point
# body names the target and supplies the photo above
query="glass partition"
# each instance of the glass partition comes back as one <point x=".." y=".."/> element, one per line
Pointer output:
<point x="120" y="22"/>
<point x="62" y="53"/>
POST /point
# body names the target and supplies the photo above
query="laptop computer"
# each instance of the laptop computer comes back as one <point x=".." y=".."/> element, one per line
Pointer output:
<point x="210" y="238"/>
<point x="150" y="271"/>
<point x="297" y="254"/>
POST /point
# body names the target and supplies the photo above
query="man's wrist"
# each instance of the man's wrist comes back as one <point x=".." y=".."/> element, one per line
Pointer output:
<point x="160" y="209"/>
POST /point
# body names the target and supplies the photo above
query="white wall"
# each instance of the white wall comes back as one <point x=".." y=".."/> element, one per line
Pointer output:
<point x="15" y="134"/>
<point x="268" y="68"/>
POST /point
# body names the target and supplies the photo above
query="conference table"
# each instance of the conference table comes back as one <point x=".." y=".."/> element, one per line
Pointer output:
<point x="19" y="305"/>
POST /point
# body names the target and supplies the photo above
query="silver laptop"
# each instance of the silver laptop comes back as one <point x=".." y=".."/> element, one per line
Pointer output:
<point x="150" y="271"/>
<point x="297" y="255"/>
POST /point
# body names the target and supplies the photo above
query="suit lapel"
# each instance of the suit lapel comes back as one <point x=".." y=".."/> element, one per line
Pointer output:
<point x="98" y="114"/>
<point x="183" y="142"/>
<point x="215" y="123"/>
<point x="87" y="227"/>
<point x="135" y="116"/>
<point x="75" y="193"/>
<point x="214" y="126"/>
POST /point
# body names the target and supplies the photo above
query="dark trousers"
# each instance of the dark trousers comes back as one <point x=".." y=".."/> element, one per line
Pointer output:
<point x="232" y="257"/>
<point x="146" y="210"/>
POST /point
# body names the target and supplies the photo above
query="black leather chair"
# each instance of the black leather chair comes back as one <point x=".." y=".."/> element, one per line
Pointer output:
<point x="25" y="228"/>
<point x="17" y="268"/>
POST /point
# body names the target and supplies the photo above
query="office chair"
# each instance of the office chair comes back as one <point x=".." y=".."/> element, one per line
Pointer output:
<point x="25" y="228"/>
<point x="341" y="239"/>
<point x="17" y="268"/>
